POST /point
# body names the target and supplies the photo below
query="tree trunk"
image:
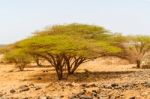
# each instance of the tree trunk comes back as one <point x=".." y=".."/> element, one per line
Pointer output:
<point x="73" y="70"/>
<point x="138" y="63"/>
<point x="60" y="75"/>
<point x="76" y="63"/>
<point x="37" y="60"/>
<point x="21" y="67"/>
<point x="59" y="72"/>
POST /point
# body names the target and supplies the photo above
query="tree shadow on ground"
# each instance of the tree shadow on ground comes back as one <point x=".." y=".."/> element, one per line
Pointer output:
<point x="79" y="76"/>
<point x="35" y="66"/>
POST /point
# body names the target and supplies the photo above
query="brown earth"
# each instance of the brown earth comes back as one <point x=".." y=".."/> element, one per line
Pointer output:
<point x="102" y="71"/>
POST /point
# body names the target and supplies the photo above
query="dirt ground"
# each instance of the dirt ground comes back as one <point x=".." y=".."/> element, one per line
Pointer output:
<point x="100" y="71"/>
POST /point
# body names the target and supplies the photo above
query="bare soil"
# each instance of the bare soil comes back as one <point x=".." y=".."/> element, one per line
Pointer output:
<point x="102" y="71"/>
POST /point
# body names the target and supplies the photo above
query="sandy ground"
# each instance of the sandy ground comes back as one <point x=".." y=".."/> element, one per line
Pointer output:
<point x="102" y="70"/>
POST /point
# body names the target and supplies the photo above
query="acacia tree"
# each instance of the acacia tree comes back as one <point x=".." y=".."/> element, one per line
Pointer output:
<point x="66" y="47"/>
<point x="141" y="48"/>
<point x="60" y="51"/>
<point x="136" y="48"/>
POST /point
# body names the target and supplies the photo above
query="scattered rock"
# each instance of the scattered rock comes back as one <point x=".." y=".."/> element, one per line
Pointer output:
<point x="103" y="97"/>
<point x="62" y="96"/>
<point x="85" y="97"/>
<point x="37" y="88"/>
<point x="70" y="84"/>
<point x="84" y="85"/>
<point x="45" y="71"/>
<point x="132" y="97"/>
<point x="1" y="94"/>
<point x="11" y="71"/>
<point x="12" y="91"/>
<point x="39" y="78"/>
<point x="46" y="97"/>
<point x="107" y="86"/>
<point x="23" y="88"/>
<point x="88" y="85"/>
<point x="114" y="85"/>
<point x="24" y="80"/>
<point x="144" y="94"/>
<point x="147" y="84"/>
<point x="92" y="85"/>
<point x="31" y="85"/>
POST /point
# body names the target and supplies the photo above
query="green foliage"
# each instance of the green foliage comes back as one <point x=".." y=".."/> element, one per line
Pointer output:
<point x="75" y="39"/>
<point x="65" y="46"/>
<point x="118" y="38"/>
<point x="58" y="44"/>
<point x="19" y="57"/>
<point x="136" y="48"/>
<point x="75" y="29"/>
<point x="108" y="47"/>
<point x="69" y="45"/>
<point x="142" y="38"/>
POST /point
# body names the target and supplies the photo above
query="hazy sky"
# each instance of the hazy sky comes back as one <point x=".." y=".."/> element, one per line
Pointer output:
<point x="19" y="18"/>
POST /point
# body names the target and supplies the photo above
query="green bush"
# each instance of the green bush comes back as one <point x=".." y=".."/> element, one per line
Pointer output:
<point x="18" y="57"/>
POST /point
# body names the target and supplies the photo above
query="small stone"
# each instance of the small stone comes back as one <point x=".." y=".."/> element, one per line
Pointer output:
<point x="103" y="97"/>
<point x="144" y="94"/>
<point x="31" y="84"/>
<point x="92" y="85"/>
<point x="74" y="97"/>
<point x="45" y="97"/>
<point x="39" y="78"/>
<point x="125" y="85"/>
<point x="23" y="88"/>
<point x="147" y="84"/>
<point x="62" y="96"/>
<point x="70" y="85"/>
<point x="94" y="95"/>
<point x="11" y="71"/>
<point x="12" y="91"/>
<point x="81" y="93"/>
<point x="114" y="85"/>
<point x="85" y="97"/>
<point x="84" y="85"/>
<point x="37" y="88"/>
<point x="1" y="94"/>
<point x="132" y="97"/>
<point x="24" y="80"/>
<point x="108" y="86"/>
<point x="94" y="91"/>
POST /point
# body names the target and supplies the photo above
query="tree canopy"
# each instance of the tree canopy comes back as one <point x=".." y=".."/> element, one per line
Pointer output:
<point x="68" y="46"/>
<point x="136" y="47"/>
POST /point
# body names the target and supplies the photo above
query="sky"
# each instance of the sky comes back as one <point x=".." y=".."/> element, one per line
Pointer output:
<point x="20" y="18"/>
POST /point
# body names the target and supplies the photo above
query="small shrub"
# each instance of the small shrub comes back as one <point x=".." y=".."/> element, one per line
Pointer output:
<point x="18" y="57"/>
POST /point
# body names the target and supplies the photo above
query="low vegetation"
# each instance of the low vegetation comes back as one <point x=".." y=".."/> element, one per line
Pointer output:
<point x="18" y="57"/>
<point x="66" y="47"/>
